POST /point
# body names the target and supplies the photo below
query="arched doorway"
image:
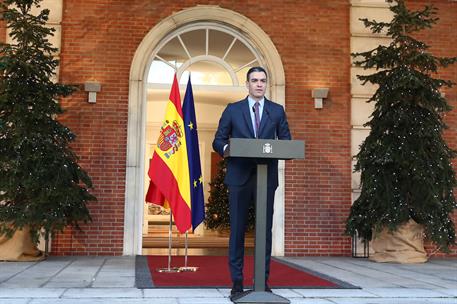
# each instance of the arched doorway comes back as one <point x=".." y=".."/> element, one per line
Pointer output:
<point x="173" y="30"/>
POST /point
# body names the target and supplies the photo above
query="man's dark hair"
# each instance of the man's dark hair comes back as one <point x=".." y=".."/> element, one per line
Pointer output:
<point x="255" y="69"/>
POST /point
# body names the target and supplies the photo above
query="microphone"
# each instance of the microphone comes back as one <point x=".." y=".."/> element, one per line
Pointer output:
<point x="253" y="109"/>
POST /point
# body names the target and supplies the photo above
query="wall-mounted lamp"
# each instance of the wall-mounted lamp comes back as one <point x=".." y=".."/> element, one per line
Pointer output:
<point x="92" y="88"/>
<point x="319" y="94"/>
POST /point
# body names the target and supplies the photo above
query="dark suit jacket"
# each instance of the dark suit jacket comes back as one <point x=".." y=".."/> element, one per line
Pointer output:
<point x="236" y="122"/>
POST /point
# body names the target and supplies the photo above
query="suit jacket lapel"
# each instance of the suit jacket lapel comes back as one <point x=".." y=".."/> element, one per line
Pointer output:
<point x="247" y="116"/>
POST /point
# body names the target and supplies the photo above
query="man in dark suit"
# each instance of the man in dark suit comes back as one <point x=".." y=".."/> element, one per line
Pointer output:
<point x="253" y="117"/>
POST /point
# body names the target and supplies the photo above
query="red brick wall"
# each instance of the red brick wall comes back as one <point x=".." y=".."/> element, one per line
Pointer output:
<point x="2" y="31"/>
<point x="314" y="47"/>
<point x="98" y="43"/>
<point x="99" y="39"/>
<point x="441" y="39"/>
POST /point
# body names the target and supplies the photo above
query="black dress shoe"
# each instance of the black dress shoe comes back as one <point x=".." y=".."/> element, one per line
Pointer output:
<point x="237" y="290"/>
<point x="267" y="288"/>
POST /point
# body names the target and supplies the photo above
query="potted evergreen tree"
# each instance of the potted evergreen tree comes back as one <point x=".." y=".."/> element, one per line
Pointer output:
<point x="42" y="187"/>
<point x="217" y="215"/>
<point x="406" y="171"/>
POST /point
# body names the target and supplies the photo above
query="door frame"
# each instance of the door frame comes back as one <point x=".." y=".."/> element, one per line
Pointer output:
<point x="146" y="51"/>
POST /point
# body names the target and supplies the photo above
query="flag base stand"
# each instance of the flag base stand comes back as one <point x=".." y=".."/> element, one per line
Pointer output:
<point x="168" y="270"/>
<point x="188" y="269"/>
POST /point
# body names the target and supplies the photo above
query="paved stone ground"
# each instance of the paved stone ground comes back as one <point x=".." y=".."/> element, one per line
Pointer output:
<point x="84" y="280"/>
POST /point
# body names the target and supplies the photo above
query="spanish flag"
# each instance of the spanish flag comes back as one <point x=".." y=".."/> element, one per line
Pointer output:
<point x="169" y="167"/>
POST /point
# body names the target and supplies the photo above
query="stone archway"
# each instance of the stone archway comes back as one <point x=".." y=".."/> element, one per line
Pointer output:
<point x="137" y="114"/>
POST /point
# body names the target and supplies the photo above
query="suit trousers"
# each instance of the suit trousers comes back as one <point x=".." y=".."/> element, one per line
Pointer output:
<point x="240" y="198"/>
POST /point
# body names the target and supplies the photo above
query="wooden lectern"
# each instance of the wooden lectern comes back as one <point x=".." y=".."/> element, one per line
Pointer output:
<point x="262" y="148"/>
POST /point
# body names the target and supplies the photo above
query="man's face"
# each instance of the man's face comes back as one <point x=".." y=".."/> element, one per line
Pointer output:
<point x="257" y="84"/>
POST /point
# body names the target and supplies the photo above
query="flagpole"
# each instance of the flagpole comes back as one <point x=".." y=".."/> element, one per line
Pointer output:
<point x="169" y="269"/>
<point x="187" y="268"/>
<point x="185" y="252"/>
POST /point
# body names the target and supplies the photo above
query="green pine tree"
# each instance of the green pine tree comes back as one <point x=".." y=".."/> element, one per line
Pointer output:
<point x="405" y="165"/>
<point x="217" y="215"/>
<point x="41" y="184"/>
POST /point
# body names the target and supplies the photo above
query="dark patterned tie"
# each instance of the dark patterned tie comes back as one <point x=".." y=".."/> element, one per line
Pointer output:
<point x="257" y="118"/>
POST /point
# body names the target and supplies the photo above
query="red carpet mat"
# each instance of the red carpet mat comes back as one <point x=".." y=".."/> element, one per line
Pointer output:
<point x="213" y="272"/>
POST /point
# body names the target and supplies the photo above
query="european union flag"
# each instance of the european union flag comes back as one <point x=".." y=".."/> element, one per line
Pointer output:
<point x="193" y="155"/>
